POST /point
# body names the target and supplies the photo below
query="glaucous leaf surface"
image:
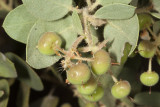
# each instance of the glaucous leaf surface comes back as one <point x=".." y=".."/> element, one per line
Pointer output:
<point x="156" y="5"/>
<point x="115" y="11"/>
<point x="77" y="22"/>
<point x="156" y="15"/>
<point x="105" y="2"/>
<point x="121" y="32"/>
<point x="7" y="68"/>
<point x="25" y="73"/>
<point x="48" y="10"/>
<point x="63" y="28"/>
<point x="18" y="23"/>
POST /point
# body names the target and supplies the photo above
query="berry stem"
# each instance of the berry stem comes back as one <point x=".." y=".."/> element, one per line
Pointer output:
<point x="113" y="77"/>
<point x="150" y="65"/>
<point x="94" y="5"/>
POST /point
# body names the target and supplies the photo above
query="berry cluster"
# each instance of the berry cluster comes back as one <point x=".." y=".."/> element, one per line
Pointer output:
<point x="82" y="72"/>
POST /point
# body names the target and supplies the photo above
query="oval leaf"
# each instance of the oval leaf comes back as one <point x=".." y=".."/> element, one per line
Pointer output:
<point x="147" y="99"/>
<point x="25" y="73"/>
<point x="48" y="9"/>
<point x="157" y="15"/>
<point x="121" y="32"/>
<point x="115" y="11"/>
<point x="18" y="23"/>
<point x="7" y="68"/>
<point x="77" y="23"/>
<point x="156" y="5"/>
<point x="105" y="2"/>
<point x="4" y="86"/>
<point x="63" y="27"/>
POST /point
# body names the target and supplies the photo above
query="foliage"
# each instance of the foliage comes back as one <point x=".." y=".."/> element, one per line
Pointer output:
<point x="85" y="28"/>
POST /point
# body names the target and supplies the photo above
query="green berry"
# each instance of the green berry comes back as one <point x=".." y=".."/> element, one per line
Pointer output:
<point x="144" y="21"/>
<point x="101" y="63"/>
<point x="158" y="59"/>
<point x="78" y="74"/>
<point x="146" y="49"/>
<point x="121" y="89"/>
<point x="88" y="88"/>
<point x="149" y="78"/>
<point x="96" y="95"/>
<point x="47" y="42"/>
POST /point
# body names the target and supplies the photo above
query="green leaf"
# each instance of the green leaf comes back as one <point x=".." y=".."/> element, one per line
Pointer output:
<point x="105" y="2"/>
<point x="94" y="34"/>
<point x="156" y="5"/>
<point x="48" y="10"/>
<point x="23" y="95"/>
<point x="147" y="99"/>
<point x="126" y="102"/>
<point x="77" y="23"/>
<point x="25" y="73"/>
<point x="7" y="68"/>
<point x="63" y="27"/>
<point x="156" y="15"/>
<point x="47" y="101"/>
<point x="4" y="86"/>
<point x="115" y="11"/>
<point x="18" y="23"/>
<point x="121" y="32"/>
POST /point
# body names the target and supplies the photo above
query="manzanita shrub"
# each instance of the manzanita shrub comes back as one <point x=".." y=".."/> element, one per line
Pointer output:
<point x="101" y="45"/>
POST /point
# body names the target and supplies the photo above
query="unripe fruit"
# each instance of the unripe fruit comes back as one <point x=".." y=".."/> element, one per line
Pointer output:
<point x="47" y="42"/>
<point x="78" y="74"/>
<point x="158" y="59"/>
<point x="121" y="89"/>
<point x="89" y="87"/>
<point x="149" y="78"/>
<point x="101" y="63"/>
<point x="146" y="49"/>
<point x="144" y="21"/>
<point x="96" y="95"/>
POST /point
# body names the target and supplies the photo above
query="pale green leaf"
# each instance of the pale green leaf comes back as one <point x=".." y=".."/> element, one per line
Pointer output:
<point x="120" y="32"/>
<point x="115" y="11"/>
<point x="23" y="95"/>
<point x="157" y="15"/>
<point x="94" y="34"/>
<point x="25" y="73"/>
<point x="63" y="27"/>
<point x="156" y="5"/>
<point x="48" y="9"/>
<point x="105" y="2"/>
<point x="7" y="68"/>
<point x="147" y="99"/>
<point x="18" y="23"/>
<point x="77" y="22"/>
<point x="4" y="86"/>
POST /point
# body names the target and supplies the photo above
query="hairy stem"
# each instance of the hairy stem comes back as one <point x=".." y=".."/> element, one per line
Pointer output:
<point x="150" y="65"/>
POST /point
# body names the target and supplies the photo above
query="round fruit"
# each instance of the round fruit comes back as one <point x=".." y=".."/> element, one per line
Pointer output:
<point x="121" y="89"/>
<point x="144" y="21"/>
<point x="158" y="59"/>
<point x="146" y="49"/>
<point x="90" y="105"/>
<point x="47" y="42"/>
<point x="88" y="88"/>
<point x="149" y="78"/>
<point x="101" y="63"/>
<point x="78" y="74"/>
<point x="96" y="95"/>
